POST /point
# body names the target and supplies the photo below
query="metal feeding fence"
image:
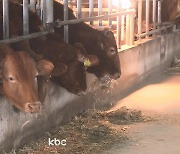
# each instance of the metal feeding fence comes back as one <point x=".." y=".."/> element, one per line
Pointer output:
<point x="125" y="13"/>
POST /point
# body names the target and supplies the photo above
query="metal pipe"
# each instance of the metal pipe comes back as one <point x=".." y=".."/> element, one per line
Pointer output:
<point x="139" y="17"/>
<point x="49" y="14"/>
<point x="159" y="11"/>
<point x="91" y="10"/>
<point x="79" y="10"/>
<point x="147" y="16"/>
<point x="154" y="14"/>
<point x="25" y="17"/>
<point x="24" y="37"/>
<point x="131" y="41"/>
<point x="156" y="30"/>
<point x="39" y="34"/>
<point x="59" y="23"/>
<point x="66" y="27"/>
<point x="122" y="27"/>
<point x="5" y="19"/>
<point x="110" y="11"/>
<point x="118" y="41"/>
<point x="38" y="8"/>
<point x="127" y="29"/>
<point x="100" y="11"/>
<point x="43" y="12"/>
<point x="33" y="5"/>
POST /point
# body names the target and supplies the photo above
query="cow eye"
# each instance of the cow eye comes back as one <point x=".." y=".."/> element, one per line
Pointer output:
<point x="112" y="50"/>
<point x="11" y="79"/>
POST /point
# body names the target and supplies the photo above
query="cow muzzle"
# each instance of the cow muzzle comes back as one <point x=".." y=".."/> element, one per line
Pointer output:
<point x="32" y="107"/>
<point x="116" y="76"/>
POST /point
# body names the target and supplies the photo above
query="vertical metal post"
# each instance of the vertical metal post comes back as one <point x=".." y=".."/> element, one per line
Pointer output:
<point x="127" y="29"/>
<point x="159" y="12"/>
<point x="110" y="11"/>
<point x="25" y="17"/>
<point x="122" y="27"/>
<point x="38" y="8"/>
<point x="119" y="28"/>
<point x="147" y="16"/>
<point x="49" y="14"/>
<point x="43" y="12"/>
<point x="100" y="11"/>
<point x="79" y="10"/>
<point x="154" y="14"/>
<point x="139" y="18"/>
<point x="5" y="19"/>
<point x="66" y="28"/>
<point x="33" y="5"/>
<point x="131" y="31"/>
<point x="91" y="10"/>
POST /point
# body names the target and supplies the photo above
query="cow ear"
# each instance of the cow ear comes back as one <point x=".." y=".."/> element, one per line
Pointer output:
<point x="59" y="69"/>
<point x="44" y="67"/>
<point x="94" y="60"/>
<point x="108" y="33"/>
<point x="88" y="60"/>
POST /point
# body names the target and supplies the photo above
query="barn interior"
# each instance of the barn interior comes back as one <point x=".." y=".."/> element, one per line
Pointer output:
<point x="147" y="37"/>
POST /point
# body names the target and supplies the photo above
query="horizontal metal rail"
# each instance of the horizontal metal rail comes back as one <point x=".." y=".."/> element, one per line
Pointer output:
<point x="25" y="37"/>
<point x="59" y="23"/>
<point x="156" y="31"/>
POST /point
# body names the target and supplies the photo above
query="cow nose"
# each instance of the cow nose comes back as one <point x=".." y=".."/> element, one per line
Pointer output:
<point x="33" y="107"/>
<point x="116" y="76"/>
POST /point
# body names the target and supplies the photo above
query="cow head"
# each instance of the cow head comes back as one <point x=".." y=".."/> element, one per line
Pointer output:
<point x="76" y="59"/>
<point x="19" y="73"/>
<point x="74" y="80"/>
<point x="106" y="50"/>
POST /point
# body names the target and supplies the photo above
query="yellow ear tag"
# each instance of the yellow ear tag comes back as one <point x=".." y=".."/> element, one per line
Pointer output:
<point x="87" y="63"/>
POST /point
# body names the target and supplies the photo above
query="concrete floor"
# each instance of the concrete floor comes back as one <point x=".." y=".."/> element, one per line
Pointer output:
<point x="160" y="98"/>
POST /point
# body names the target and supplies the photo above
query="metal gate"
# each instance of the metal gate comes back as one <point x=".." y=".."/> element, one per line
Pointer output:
<point x="122" y="11"/>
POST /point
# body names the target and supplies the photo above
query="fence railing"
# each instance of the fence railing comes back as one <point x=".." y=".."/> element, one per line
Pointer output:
<point x="125" y="19"/>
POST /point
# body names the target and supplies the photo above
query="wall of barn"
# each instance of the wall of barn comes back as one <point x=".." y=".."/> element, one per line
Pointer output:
<point x="137" y="64"/>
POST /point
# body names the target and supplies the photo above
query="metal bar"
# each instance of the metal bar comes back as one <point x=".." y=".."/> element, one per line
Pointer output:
<point x="75" y="21"/>
<point x="5" y="19"/>
<point x="25" y="17"/>
<point x="147" y="16"/>
<point x="127" y="29"/>
<point x="131" y="41"/>
<point x="38" y="8"/>
<point x="110" y="11"/>
<point x="24" y="37"/>
<point x="79" y="11"/>
<point x="49" y="14"/>
<point x="91" y="10"/>
<point x="66" y="27"/>
<point x="43" y="12"/>
<point x="139" y="17"/>
<point x="156" y="30"/>
<point x="33" y="5"/>
<point x="39" y="34"/>
<point x="159" y="11"/>
<point x="118" y="41"/>
<point x="122" y="27"/>
<point x="154" y="14"/>
<point x="100" y="11"/>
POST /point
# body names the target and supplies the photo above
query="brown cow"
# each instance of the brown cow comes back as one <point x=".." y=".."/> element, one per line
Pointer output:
<point x="74" y="56"/>
<point x="19" y="72"/>
<point x="99" y="43"/>
<point x="55" y="49"/>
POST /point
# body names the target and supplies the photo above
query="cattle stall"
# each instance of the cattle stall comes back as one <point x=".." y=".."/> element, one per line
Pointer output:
<point x="146" y="45"/>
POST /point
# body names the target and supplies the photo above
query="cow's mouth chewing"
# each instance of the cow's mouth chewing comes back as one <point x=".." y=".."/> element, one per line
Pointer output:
<point x="105" y="81"/>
